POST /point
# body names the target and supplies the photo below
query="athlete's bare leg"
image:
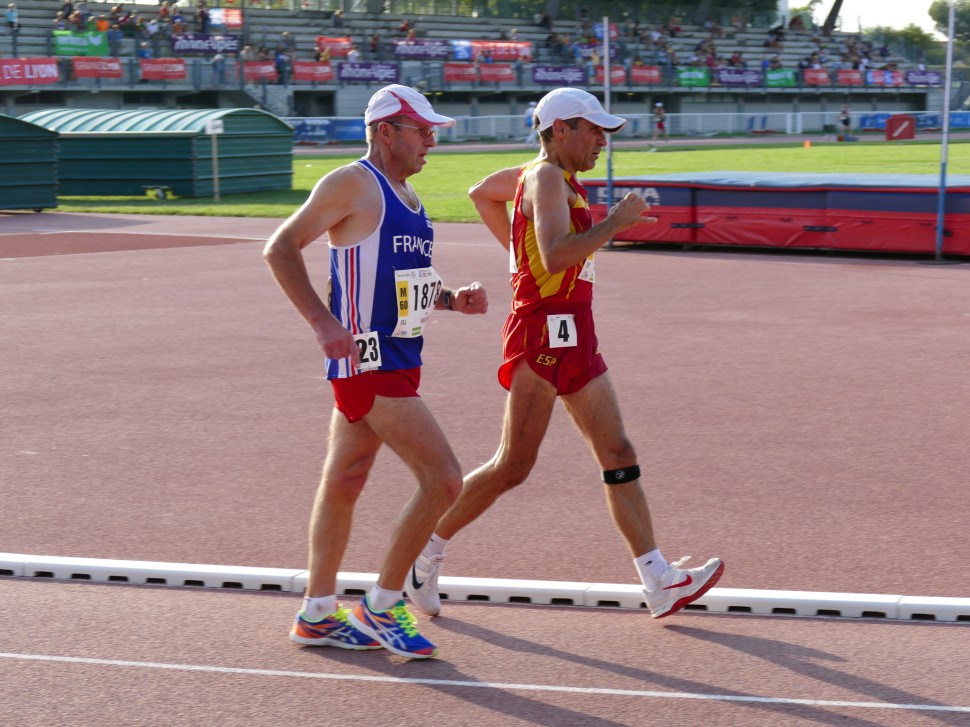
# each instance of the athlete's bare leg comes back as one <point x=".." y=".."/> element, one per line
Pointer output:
<point x="527" y="412"/>
<point x="351" y="453"/>
<point x="596" y="412"/>
<point x="407" y="427"/>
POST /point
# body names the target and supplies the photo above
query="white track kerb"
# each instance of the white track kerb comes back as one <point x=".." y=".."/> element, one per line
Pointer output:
<point x="492" y="590"/>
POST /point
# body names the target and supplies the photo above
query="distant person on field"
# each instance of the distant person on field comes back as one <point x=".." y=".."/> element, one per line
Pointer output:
<point x="659" y="123"/>
<point x="845" y="122"/>
<point x="532" y="137"/>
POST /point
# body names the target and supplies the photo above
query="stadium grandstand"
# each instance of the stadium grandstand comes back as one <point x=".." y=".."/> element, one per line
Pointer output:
<point x="319" y="60"/>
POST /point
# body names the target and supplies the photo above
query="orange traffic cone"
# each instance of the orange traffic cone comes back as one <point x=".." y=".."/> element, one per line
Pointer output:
<point x="808" y="144"/>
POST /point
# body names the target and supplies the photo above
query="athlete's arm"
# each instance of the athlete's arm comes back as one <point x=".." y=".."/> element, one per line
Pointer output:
<point x="332" y="205"/>
<point x="491" y="197"/>
<point x="468" y="299"/>
<point x="547" y="196"/>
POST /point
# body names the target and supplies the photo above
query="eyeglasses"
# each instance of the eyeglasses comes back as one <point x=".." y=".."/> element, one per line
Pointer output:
<point x="423" y="132"/>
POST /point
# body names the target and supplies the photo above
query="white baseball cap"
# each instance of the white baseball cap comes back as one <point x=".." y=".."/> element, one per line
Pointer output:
<point x="574" y="103"/>
<point x="397" y="100"/>
<point x="659" y="104"/>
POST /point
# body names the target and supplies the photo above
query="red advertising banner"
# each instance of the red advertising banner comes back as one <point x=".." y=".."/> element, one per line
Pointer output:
<point x="338" y="47"/>
<point x="85" y="67"/>
<point x="162" y="69"/>
<point x="645" y="74"/>
<point x="28" y="71"/>
<point x="503" y="50"/>
<point x="817" y="77"/>
<point x="496" y="73"/>
<point x="259" y="71"/>
<point x="617" y="75"/>
<point x="309" y="71"/>
<point x="849" y="77"/>
<point x="461" y="72"/>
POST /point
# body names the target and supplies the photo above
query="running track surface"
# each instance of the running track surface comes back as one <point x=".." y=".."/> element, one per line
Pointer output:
<point x="800" y="416"/>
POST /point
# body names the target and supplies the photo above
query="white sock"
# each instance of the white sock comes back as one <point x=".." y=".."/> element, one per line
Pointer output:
<point x="435" y="546"/>
<point x="380" y="599"/>
<point x="651" y="567"/>
<point x="317" y="608"/>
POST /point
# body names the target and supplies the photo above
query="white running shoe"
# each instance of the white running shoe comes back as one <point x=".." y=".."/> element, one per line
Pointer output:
<point x="679" y="586"/>
<point x="422" y="586"/>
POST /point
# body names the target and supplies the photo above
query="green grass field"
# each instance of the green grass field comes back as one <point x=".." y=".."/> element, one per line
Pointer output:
<point x="443" y="183"/>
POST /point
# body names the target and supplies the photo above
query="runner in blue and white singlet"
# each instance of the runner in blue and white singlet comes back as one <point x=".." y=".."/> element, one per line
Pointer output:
<point x="385" y="285"/>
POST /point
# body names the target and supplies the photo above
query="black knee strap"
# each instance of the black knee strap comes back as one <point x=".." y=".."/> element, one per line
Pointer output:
<point x="621" y="476"/>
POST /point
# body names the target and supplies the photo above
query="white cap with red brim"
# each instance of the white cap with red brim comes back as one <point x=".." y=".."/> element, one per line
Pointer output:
<point x="397" y="100"/>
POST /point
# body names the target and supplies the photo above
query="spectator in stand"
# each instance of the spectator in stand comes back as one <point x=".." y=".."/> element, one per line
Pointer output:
<point x="67" y="9"/>
<point x="114" y="40"/>
<point x="323" y="54"/>
<point x="179" y="25"/>
<point x="151" y="32"/>
<point x="248" y="54"/>
<point x="796" y="23"/>
<point x="283" y="63"/>
<point x="544" y="21"/>
<point x="59" y="22"/>
<point x="286" y="43"/>
<point x="353" y="55"/>
<point x="404" y="27"/>
<point x="337" y="19"/>
<point x="202" y="18"/>
<point x="375" y="47"/>
<point x="218" y="69"/>
<point x="101" y="24"/>
<point x="13" y="19"/>
<point x="164" y="12"/>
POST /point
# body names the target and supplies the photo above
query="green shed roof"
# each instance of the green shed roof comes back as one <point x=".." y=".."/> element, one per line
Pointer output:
<point x="186" y="121"/>
<point x="13" y="128"/>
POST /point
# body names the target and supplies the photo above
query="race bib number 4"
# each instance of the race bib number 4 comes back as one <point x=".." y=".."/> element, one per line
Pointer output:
<point x="562" y="330"/>
<point x="417" y="291"/>
<point x="369" y="346"/>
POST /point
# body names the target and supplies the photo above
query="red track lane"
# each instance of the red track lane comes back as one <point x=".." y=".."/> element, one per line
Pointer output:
<point x="221" y="658"/>
<point x="800" y="416"/>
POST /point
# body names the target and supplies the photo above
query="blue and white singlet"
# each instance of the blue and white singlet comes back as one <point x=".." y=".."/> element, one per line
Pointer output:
<point x="385" y="286"/>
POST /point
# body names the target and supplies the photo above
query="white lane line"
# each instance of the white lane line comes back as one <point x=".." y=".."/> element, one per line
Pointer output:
<point x="484" y="685"/>
<point x="130" y="233"/>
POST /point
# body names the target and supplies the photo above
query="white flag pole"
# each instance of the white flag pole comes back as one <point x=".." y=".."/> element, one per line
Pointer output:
<point x="941" y="206"/>
<point x="606" y="105"/>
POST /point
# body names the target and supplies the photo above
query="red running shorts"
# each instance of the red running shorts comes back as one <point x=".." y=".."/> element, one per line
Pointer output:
<point x="568" y="369"/>
<point x="354" y="395"/>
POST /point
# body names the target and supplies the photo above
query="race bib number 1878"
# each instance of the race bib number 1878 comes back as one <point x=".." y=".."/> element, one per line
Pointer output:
<point x="417" y="291"/>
